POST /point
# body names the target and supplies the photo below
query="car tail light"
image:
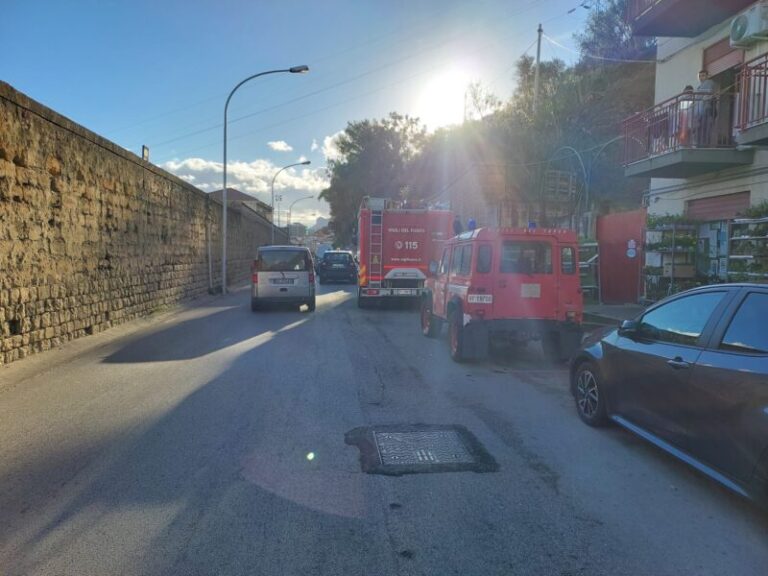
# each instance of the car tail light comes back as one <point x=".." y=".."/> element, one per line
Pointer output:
<point x="372" y="292"/>
<point x="255" y="277"/>
<point x="311" y="277"/>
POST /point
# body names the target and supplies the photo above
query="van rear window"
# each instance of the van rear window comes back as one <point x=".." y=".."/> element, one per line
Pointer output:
<point x="282" y="261"/>
<point x="526" y="257"/>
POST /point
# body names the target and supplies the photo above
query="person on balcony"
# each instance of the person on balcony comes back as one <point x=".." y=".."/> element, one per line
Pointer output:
<point x="706" y="110"/>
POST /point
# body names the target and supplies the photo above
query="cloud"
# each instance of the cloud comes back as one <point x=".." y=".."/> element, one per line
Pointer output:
<point x="253" y="178"/>
<point x="280" y="146"/>
<point x="330" y="147"/>
<point x="314" y="146"/>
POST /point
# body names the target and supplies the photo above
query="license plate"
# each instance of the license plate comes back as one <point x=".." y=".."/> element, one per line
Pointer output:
<point x="281" y="281"/>
<point x="404" y="292"/>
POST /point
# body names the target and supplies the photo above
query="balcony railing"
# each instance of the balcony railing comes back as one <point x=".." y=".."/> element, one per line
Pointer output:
<point x="753" y="98"/>
<point x="687" y="121"/>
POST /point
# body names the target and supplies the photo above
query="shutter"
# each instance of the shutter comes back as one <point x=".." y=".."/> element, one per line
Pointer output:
<point x="724" y="207"/>
<point x="721" y="57"/>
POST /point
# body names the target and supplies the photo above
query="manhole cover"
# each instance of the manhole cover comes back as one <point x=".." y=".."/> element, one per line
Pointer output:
<point x="415" y="448"/>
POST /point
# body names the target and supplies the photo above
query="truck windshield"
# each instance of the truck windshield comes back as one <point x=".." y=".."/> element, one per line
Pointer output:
<point x="282" y="261"/>
<point x="526" y="257"/>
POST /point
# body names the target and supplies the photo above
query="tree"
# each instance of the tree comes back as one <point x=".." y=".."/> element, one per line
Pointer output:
<point x="374" y="155"/>
<point x="480" y="102"/>
<point x="609" y="35"/>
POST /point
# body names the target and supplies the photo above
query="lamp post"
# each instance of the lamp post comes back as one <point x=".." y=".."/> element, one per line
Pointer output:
<point x="293" y="70"/>
<point x="305" y="163"/>
<point x="290" y="207"/>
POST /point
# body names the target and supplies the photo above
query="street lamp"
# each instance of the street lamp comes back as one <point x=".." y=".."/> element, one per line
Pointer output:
<point x="305" y="163"/>
<point x="293" y="70"/>
<point x="290" y="207"/>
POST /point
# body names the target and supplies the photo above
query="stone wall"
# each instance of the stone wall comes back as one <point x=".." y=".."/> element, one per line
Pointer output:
<point x="92" y="236"/>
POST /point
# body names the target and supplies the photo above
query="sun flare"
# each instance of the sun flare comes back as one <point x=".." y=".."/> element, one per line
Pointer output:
<point x="441" y="100"/>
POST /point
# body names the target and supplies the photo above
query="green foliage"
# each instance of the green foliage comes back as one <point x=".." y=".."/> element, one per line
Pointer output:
<point x="609" y="35"/>
<point x="657" y="222"/>
<point x="374" y="155"/>
<point x="757" y="211"/>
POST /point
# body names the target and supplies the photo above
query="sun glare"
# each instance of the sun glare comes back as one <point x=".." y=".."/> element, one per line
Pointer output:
<point x="441" y="101"/>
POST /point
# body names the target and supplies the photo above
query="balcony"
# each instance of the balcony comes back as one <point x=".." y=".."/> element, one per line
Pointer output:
<point x="686" y="18"/>
<point x="685" y="136"/>
<point x="752" y="125"/>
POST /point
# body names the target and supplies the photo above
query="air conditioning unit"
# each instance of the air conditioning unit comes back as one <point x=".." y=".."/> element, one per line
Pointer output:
<point x="750" y="26"/>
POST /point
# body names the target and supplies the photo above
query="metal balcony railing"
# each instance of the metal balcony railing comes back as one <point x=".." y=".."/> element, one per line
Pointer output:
<point x="688" y="120"/>
<point x="753" y="97"/>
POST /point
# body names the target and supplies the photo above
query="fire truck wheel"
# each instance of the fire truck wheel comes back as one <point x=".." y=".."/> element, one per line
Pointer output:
<point x="430" y="324"/>
<point x="456" y="336"/>
<point x="361" y="303"/>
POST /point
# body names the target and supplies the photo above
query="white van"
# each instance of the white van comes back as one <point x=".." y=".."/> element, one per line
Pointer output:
<point x="283" y="275"/>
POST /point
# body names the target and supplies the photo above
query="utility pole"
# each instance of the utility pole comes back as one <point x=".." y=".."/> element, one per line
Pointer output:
<point x="536" y="76"/>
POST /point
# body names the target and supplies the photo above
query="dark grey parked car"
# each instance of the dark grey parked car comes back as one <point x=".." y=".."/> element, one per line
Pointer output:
<point x="691" y="376"/>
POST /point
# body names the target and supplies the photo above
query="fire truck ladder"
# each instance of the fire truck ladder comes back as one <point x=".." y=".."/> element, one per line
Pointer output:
<point x="376" y="243"/>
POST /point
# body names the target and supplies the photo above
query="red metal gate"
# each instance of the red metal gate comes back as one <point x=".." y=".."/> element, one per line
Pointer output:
<point x="620" y="244"/>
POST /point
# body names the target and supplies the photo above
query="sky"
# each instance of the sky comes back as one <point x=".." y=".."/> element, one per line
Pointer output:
<point x="158" y="73"/>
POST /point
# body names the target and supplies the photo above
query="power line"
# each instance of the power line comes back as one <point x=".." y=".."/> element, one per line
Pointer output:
<point x="603" y="58"/>
<point x="368" y="72"/>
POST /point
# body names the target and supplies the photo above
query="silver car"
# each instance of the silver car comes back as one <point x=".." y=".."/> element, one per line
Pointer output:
<point x="283" y="275"/>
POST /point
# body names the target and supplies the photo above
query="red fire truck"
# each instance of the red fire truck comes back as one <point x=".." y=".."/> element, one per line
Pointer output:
<point x="396" y="244"/>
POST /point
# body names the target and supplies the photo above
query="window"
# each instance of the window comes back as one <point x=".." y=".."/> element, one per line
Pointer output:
<point x="526" y="258"/>
<point x="337" y="257"/>
<point x="747" y="332"/>
<point x="283" y="261"/>
<point x="461" y="261"/>
<point x="567" y="260"/>
<point x="484" y="258"/>
<point x="466" y="260"/>
<point x="681" y="321"/>
<point x="456" y="260"/>
<point x="444" y="262"/>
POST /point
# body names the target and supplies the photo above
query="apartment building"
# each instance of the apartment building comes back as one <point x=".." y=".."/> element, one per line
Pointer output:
<point x="704" y="144"/>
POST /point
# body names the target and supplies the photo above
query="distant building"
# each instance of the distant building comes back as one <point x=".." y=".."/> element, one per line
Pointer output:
<point x="319" y="224"/>
<point x="234" y="195"/>
<point x="297" y="230"/>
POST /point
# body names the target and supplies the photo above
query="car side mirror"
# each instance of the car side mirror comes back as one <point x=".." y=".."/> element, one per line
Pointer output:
<point x="629" y="328"/>
<point x="432" y="268"/>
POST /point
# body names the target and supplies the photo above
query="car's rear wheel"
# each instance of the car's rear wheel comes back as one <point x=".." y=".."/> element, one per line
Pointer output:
<point x="311" y="305"/>
<point x="255" y="305"/>
<point x="456" y="336"/>
<point x="430" y="324"/>
<point x="590" y="395"/>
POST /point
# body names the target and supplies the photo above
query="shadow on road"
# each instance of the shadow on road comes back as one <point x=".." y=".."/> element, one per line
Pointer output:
<point x="202" y="335"/>
<point x="221" y="465"/>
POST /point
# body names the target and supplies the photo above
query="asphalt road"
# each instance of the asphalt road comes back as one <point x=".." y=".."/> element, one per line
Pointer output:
<point x="210" y="441"/>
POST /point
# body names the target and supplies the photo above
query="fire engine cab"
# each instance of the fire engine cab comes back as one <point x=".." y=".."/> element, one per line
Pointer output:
<point x="396" y="244"/>
<point x="512" y="285"/>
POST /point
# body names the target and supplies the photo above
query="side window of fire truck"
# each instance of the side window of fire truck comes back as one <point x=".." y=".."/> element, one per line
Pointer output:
<point x="466" y="260"/>
<point x="456" y="260"/>
<point x="444" y="262"/>
<point x="567" y="260"/>
<point x="484" y="258"/>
